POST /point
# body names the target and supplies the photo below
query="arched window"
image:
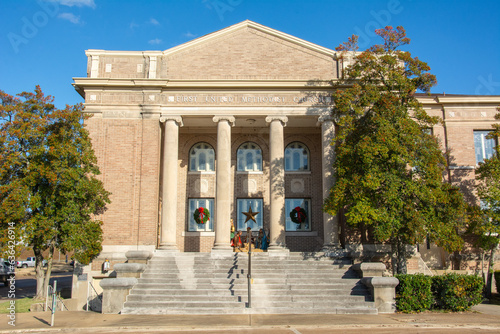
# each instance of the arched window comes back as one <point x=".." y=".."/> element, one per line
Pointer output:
<point x="249" y="157"/>
<point x="296" y="157"/>
<point x="201" y="158"/>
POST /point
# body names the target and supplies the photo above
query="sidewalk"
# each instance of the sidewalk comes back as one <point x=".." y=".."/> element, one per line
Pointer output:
<point x="484" y="318"/>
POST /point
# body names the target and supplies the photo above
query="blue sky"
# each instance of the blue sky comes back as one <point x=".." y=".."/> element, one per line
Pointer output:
<point x="44" y="41"/>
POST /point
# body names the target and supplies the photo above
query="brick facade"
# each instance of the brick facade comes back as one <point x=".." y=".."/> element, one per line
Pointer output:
<point x="247" y="71"/>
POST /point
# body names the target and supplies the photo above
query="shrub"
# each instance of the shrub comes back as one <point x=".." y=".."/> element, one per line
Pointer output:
<point x="457" y="292"/>
<point x="413" y="293"/>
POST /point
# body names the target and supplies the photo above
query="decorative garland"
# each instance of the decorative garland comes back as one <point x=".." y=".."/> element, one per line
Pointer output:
<point x="201" y="215"/>
<point x="298" y="215"/>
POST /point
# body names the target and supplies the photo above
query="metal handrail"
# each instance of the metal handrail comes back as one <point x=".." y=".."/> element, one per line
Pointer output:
<point x="426" y="267"/>
<point x="91" y="286"/>
<point x="249" y="275"/>
<point x="50" y="292"/>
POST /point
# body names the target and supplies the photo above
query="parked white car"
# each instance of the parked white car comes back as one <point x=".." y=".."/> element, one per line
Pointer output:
<point x="30" y="262"/>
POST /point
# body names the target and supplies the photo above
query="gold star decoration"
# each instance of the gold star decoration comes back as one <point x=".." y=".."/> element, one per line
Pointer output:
<point x="250" y="215"/>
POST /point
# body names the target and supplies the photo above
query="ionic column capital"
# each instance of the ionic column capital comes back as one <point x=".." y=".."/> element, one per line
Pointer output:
<point x="282" y="119"/>
<point x="175" y="118"/>
<point x="228" y="118"/>
<point x="324" y="119"/>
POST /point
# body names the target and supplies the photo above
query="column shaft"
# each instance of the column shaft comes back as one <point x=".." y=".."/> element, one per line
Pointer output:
<point x="277" y="182"/>
<point x="330" y="223"/>
<point x="169" y="184"/>
<point x="223" y="184"/>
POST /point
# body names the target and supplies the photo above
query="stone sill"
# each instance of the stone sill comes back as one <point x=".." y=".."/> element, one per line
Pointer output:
<point x="200" y="173"/>
<point x="302" y="234"/>
<point x="198" y="234"/>
<point x="242" y="172"/>
<point x="462" y="167"/>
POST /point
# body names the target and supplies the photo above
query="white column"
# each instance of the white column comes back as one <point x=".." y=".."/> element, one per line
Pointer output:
<point x="277" y="182"/>
<point x="223" y="176"/>
<point x="330" y="223"/>
<point x="169" y="184"/>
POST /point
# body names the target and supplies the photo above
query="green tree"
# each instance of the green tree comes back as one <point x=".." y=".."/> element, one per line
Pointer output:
<point x="48" y="189"/>
<point x="486" y="225"/>
<point x="389" y="167"/>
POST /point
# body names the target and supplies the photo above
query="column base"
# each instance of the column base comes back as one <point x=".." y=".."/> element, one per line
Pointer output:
<point x="222" y="252"/>
<point x="330" y="246"/>
<point x="334" y="250"/>
<point x="168" y="247"/>
<point x="278" y="251"/>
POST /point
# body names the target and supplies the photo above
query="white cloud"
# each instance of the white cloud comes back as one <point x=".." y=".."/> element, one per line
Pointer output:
<point x="189" y="35"/>
<point x="155" y="41"/>
<point x="154" y="22"/>
<point x="69" y="17"/>
<point x="133" y="25"/>
<point x="78" y="3"/>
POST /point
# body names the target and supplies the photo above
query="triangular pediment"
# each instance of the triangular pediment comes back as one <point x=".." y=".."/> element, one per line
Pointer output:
<point x="249" y="50"/>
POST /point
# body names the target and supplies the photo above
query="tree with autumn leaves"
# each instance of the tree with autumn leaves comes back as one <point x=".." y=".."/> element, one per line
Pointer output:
<point x="389" y="167"/>
<point x="48" y="193"/>
<point x="485" y="217"/>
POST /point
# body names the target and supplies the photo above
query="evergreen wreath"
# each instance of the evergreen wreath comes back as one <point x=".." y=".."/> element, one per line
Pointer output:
<point x="201" y="215"/>
<point x="298" y="215"/>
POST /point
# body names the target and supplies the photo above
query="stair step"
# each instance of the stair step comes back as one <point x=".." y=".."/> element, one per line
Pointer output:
<point x="276" y="310"/>
<point x="261" y="300"/>
<point x="196" y="283"/>
<point x="255" y="292"/>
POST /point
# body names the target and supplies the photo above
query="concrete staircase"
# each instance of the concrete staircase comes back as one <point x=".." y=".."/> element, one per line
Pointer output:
<point x="195" y="283"/>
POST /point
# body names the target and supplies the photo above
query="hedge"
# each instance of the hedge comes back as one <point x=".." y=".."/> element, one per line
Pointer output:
<point x="453" y="292"/>
<point x="457" y="292"/>
<point x="413" y="293"/>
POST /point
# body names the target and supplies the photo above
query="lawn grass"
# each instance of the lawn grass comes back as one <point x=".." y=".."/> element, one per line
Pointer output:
<point x="22" y="305"/>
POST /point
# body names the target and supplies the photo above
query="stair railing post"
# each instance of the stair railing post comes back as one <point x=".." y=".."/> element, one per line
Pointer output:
<point x="54" y="303"/>
<point x="249" y="275"/>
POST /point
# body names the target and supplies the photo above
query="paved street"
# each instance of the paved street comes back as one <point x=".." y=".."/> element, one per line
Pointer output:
<point x="26" y="283"/>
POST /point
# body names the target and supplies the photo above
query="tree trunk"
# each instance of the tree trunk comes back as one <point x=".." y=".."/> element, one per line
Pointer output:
<point x="39" y="274"/>
<point x="489" y="274"/>
<point x="401" y="257"/>
<point x="49" y="266"/>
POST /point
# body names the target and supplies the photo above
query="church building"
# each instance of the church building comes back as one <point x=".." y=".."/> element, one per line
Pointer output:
<point x="236" y="123"/>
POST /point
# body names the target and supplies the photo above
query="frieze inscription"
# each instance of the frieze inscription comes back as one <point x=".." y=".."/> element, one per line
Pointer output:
<point x="323" y="99"/>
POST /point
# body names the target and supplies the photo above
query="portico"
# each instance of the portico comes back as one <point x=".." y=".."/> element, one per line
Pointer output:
<point x="225" y="185"/>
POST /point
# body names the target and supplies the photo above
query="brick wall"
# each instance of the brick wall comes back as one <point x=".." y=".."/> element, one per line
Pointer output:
<point x="128" y="155"/>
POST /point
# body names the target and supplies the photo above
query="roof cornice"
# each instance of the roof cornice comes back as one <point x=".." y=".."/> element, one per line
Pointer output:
<point x="206" y="84"/>
<point x="469" y="99"/>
